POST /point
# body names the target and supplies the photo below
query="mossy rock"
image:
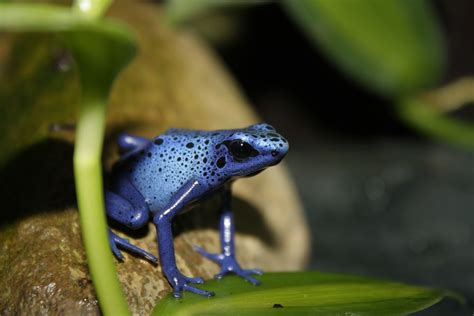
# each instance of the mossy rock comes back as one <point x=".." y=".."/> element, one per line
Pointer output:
<point x="175" y="81"/>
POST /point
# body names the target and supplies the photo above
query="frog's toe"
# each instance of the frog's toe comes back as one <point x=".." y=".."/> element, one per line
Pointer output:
<point x="125" y="244"/>
<point x="251" y="280"/>
<point x="117" y="253"/>
<point x="180" y="283"/>
<point x="248" y="276"/>
<point x="216" y="257"/>
<point x="220" y="275"/>
<point x="231" y="265"/>
<point x="195" y="290"/>
<point x="148" y="256"/>
<point x="244" y="274"/>
<point x="253" y="271"/>
<point x="195" y="280"/>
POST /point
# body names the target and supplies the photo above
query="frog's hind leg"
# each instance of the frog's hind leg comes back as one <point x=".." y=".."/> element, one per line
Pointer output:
<point x="128" y="143"/>
<point x="122" y="211"/>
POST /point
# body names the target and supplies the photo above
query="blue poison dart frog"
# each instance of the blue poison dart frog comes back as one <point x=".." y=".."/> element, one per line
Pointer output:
<point x="156" y="179"/>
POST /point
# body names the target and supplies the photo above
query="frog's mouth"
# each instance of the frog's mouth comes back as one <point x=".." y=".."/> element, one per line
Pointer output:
<point x="276" y="162"/>
<point x="254" y="173"/>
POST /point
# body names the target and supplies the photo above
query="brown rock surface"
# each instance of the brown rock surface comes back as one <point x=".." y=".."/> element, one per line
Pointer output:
<point x="175" y="81"/>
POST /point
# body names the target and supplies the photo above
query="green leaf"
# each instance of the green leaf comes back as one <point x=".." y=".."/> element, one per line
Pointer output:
<point x="393" y="47"/>
<point x="181" y="10"/>
<point x="27" y="107"/>
<point x="436" y="124"/>
<point x="33" y="92"/>
<point x="305" y="293"/>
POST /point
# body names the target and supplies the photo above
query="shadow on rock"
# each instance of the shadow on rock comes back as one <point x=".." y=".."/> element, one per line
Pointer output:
<point x="36" y="180"/>
<point x="248" y="219"/>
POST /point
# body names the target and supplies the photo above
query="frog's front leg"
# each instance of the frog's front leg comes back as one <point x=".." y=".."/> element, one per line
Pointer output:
<point x="162" y="220"/>
<point x="226" y="259"/>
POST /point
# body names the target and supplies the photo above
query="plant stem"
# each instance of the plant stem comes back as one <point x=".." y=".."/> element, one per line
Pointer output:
<point x="451" y="96"/>
<point x="435" y="124"/>
<point x="88" y="175"/>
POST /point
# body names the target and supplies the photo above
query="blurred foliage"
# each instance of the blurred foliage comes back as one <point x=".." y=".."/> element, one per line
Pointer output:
<point x="178" y="11"/>
<point x="305" y="293"/>
<point x="431" y="113"/>
<point x="26" y="111"/>
<point x="92" y="9"/>
<point x="393" y="47"/>
<point x="420" y="114"/>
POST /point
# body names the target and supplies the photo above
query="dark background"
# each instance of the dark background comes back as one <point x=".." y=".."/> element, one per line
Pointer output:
<point x="381" y="199"/>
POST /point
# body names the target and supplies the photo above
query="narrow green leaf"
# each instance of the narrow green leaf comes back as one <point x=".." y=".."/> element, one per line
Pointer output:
<point x="305" y="293"/>
<point x="435" y="123"/>
<point x="20" y="17"/>
<point x="393" y="47"/>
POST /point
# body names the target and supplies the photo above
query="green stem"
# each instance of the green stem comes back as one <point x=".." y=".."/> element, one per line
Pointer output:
<point x="88" y="175"/>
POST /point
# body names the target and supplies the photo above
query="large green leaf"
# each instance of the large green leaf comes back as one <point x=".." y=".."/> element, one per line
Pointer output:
<point x="305" y="293"/>
<point x="34" y="93"/>
<point x="393" y="47"/>
<point x="27" y="108"/>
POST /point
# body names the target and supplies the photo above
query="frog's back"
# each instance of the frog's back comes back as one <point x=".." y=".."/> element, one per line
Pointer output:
<point x="167" y="163"/>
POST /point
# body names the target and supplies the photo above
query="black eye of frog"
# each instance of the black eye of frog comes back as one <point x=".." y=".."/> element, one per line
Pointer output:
<point x="241" y="150"/>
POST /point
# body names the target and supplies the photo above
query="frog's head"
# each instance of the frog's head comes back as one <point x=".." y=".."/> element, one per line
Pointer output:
<point x="250" y="150"/>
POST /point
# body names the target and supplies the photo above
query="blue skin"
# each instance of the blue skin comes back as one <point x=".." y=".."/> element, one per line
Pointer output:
<point x="156" y="179"/>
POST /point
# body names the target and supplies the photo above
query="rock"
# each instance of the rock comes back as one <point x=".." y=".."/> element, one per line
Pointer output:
<point x="175" y="81"/>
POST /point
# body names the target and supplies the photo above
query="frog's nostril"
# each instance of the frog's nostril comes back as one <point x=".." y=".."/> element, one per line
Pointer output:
<point x="274" y="153"/>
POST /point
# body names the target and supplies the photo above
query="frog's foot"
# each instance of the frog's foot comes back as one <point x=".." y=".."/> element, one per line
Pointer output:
<point x="116" y="241"/>
<point x="180" y="283"/>
<point x="230" y="264"/>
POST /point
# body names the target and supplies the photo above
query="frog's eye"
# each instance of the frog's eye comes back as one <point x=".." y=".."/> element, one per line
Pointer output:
<point x="241" y="150"/>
